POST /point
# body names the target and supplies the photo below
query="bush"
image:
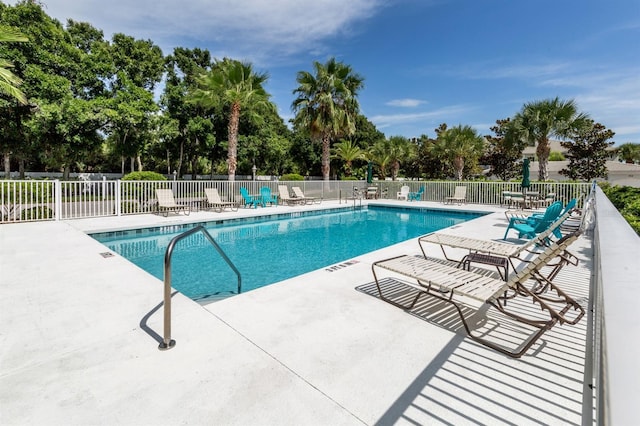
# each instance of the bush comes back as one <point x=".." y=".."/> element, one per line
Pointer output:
<point x="627" y="200"/>
<point x="291" y="176"/>
<point x="556" y="156"/>
<point x="144" y="176"/>
<point x="36" y="213"/>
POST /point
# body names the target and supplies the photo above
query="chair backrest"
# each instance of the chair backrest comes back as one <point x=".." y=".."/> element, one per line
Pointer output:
<point x="549" y="253"/>
<point x="542" y="237"/>
<point x="421" y="190"/>
<point x="570" y="206"/>
<point x="460" y="192"/>
<point x="212" y="195"/>
<point x="404" y="189"/>
<point x="284" y="192"/>
<point x="550" y="215"/>
<point x="245" y="194"/>
<point x="165" y="198"/>
<point x="297" y="191"/>
<point x="265" y="192"/>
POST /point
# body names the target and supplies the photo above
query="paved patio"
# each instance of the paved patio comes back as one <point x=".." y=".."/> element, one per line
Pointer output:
<point x="79" y="343"/>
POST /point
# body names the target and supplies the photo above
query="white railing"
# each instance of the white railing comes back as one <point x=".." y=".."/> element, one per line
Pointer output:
<point x="32" y="200"/>
<point x="613" y="371"/>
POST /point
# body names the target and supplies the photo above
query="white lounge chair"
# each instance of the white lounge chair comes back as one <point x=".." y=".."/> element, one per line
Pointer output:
<point x="285" y="197"/>
<point x="452" y="285"/>
<point x="404" y="193"/>
<point x="215" y="202"/>
<point x="297" y="192"/>
<point x="459" y="196"/>
<point x="167" y="203"/>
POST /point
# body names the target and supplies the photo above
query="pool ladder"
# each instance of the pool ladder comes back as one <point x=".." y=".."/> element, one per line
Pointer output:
<point x="167" y="341"/>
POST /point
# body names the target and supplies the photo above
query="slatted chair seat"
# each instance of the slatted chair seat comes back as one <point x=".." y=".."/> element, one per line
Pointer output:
<point x="445" y="278"/>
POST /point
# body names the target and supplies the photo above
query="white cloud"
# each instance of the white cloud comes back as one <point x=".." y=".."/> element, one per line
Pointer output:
<point x="385" y="120"/>
<point x="496" y="71"/>
<point x="609" y="93"/>
<point x="405" y="103"/>
<point x="239" y="27"/>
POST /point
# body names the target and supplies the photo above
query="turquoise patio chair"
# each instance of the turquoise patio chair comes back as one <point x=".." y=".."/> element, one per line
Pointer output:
<point x="267" y="197"/>
<point x="250" y="200"/>
<point x="529" y="228"/>
<point x="538" y="216"/>
<point x="416" y="196"/>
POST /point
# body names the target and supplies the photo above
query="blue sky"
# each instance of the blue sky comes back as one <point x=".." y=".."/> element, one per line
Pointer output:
<point x="424" y="62"/>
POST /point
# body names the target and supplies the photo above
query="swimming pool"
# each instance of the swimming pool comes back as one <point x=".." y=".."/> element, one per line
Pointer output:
<point x="268" y="250"/>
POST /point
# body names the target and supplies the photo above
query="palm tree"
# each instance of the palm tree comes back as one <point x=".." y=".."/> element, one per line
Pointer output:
<point x="540" y="120"/>
<point x="9" y="82"/>
<point x="629" y="152"/>
<point x="235" y="85"/>
<point x="348" y="152"/>
<point x="327" y="104"/>
<point x="401" y="150"/>
<point x="380" y="156"/>
<point x="457" y="145"/>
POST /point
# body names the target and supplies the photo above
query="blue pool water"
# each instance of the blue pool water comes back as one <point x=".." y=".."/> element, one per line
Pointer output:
<point x="269" y="250"/>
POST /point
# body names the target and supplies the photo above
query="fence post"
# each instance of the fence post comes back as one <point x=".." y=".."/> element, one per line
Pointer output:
<point x="57" y="190"/>
<point x="118" y="198"/>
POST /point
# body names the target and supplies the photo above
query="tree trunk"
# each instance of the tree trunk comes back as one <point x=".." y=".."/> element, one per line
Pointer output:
<point x="542" y="151"/>
<point x="234" y="120"/>
<point x="122" y="165"/>
<point x="132" y="166"/>
<point x="7" y="165"/>
<point x="139" y="161"/>
<point x="458" y="165"/>
<point x="194" y="160"/>
<point x="21" y="168"/>
<point x="395" y="170"/>
<point x="326" y="156"/>
<point x="181" y="158"/>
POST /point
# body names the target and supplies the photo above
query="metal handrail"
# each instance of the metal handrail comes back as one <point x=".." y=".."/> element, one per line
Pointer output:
<point x="167" y="342"/>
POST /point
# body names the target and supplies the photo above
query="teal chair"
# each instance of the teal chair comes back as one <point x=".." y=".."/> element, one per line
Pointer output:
<point x="249" y="200"/>
<point x="267" y="197"/>
<point x="529" y="228"/>
<point x="416" y="196"/>
<point x="538" y="216"/>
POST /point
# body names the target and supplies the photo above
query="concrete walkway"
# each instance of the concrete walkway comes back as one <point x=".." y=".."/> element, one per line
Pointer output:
<point x="80" y="333"/>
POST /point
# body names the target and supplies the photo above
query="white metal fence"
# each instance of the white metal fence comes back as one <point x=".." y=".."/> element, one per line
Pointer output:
<point x="33" y="200"/>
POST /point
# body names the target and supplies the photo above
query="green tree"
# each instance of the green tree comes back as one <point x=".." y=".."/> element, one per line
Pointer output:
<point x="189" y="143"/>
<point x="540" y="120"/>
<point x="327" y="104"/>
<point x="629" y="152"/>
<point x="380" y="155"/>
<point x="233" y="85"/>
<point x="348" y="152"/>
<point x="138" y="66"/>
<point x="9" y="82"/>
<point x="459" y="145"/>
<point x="63" y="76"/>
<point x="503" y="151"/>
<point x="400" y="150"/>
<point x="587" y="153"/>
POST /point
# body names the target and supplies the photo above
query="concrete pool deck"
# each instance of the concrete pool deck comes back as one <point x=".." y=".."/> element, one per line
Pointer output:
<point x="79" y="338"/>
